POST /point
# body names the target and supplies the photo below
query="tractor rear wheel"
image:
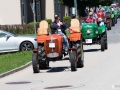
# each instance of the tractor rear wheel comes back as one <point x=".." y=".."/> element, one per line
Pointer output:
<point x="108" y="26"/>
<point x="106" y="44"/>
<point x="80" y="55"/>
<point x="113" y="22"/>
<point x="35" y="63"/>
<point x="102" y="44"/>
<point x="73" y="61"/>
<point x="115" y="19"/>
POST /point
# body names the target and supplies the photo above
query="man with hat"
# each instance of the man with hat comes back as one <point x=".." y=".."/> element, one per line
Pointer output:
<point x="90" y="18"/>
<point x="57" y="24"/>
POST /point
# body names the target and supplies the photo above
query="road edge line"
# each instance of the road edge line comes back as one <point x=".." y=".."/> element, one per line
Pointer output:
<point x="16" y="69"/>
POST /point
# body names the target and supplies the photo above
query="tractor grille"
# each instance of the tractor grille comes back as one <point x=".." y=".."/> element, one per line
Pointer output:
<point x="107" y="15"/>
<point x="52" y="50"/>
<point x="92" y="33"/>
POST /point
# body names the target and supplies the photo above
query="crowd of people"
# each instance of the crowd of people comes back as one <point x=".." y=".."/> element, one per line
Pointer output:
<point x="92" y="12"/>
<point x="91" y="18"/>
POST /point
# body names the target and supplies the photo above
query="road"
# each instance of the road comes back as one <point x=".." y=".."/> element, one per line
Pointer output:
<point x="101" y="71"/>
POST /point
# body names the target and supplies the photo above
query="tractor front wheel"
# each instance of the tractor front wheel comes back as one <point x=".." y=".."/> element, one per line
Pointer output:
<point x="102" y="44"/>
<point x="35" y="63"/>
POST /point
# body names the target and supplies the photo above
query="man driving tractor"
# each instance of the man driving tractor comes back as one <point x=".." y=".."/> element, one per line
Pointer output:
<point x="57" y="24"/>
<point x="100" y="9"/>
<point x="90" y="18"/>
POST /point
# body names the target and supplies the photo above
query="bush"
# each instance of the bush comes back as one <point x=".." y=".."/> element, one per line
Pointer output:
<point x="18" y="29"/>
<point x="49" y="21"/>
<point x="67" y="19"/>
<point x="32" y="23"/>
<point x="23" y="29"/>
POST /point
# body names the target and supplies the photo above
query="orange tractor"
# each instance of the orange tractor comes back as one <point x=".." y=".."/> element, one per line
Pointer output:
<point x="50" y="47"/>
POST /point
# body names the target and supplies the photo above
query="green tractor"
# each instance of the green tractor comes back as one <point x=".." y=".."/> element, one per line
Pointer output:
<point x="116" y="13"/>
<point x="109" y="15"/>
<point x="92" y="33"/>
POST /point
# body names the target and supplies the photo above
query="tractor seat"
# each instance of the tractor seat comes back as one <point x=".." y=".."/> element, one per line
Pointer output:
<point x="75" y="26"/>
<point x="43" y="28"/>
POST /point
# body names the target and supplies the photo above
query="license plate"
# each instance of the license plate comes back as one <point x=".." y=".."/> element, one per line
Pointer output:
<point x="51" y="45"/>
<point x="88" y="40"/>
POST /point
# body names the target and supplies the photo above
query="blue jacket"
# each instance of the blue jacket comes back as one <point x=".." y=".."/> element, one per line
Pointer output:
<point x="101" y="9"/>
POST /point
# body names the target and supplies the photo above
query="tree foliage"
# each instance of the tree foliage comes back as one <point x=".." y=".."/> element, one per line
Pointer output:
<point x="84" y="3"/>
<point x="81" y="4"/>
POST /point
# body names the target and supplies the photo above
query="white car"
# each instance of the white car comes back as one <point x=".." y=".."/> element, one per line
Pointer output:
<point x="10" y="42"/>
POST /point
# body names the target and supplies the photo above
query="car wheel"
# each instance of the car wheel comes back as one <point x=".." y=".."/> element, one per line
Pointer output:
<point x="26" y="46"/>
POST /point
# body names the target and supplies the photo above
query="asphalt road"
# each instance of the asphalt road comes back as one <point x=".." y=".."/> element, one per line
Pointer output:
<point x="101" y="71"/>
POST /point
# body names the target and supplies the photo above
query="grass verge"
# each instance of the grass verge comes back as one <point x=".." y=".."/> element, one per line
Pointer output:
<point x="14" y="60"/>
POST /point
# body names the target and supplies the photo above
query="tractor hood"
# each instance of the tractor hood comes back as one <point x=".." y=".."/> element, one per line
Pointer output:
<point x="89" y="30"/>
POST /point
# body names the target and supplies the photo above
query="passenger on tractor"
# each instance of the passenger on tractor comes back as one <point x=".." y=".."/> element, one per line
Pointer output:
<point x="60" y="27"/>
<point x="115" y="8"/>
<point x="94" y="14"/>
<point x="112" y="9"/>
<point x="90" y="18"/>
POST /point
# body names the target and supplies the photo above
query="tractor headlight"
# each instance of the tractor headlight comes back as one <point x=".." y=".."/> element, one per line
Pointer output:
<point x="96" y="32"/>
<point x="88" y="32"/>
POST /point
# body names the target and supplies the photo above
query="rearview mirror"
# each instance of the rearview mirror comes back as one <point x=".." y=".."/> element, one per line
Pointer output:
<point x="7" y="36"/>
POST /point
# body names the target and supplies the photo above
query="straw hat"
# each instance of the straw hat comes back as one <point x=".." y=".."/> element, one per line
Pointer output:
<point x="91" y="13"/>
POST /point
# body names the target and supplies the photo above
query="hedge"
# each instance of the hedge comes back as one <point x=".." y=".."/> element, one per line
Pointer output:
<point x="67" y="19"/>
<point x="22" y="29"/>
<point x="29" y="28"/>
<point x="18" y="29"/>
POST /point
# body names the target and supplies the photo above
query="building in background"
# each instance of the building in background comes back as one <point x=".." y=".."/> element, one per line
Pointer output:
<point x="20" y="12"/>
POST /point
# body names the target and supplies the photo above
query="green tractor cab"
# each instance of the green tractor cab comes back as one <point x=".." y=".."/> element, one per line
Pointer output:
<point x="94" y="34"/>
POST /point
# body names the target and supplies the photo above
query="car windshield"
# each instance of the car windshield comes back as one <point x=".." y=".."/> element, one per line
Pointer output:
<point x="10" y="33"/>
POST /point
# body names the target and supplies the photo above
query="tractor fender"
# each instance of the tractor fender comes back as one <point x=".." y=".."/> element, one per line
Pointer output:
<point x="101" y="29"/>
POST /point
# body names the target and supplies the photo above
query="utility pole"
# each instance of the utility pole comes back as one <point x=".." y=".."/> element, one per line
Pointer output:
<point x="75" y="6"/>
<point x="34" y="15"/>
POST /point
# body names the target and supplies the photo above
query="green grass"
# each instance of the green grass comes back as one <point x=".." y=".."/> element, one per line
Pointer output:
<point x="67" y="33"/>
<point x="14" y="60"/>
